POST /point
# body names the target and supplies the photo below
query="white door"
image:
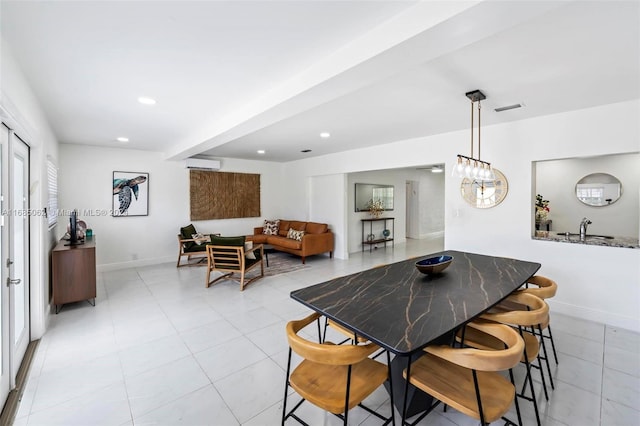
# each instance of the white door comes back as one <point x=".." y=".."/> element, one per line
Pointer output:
<point x="413" y="211"/>
<point x="14" y="258"/>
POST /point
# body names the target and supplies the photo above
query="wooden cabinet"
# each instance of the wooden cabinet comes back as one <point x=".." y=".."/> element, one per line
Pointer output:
<point x="73" y="270"/>
<point x="384" y="234"/>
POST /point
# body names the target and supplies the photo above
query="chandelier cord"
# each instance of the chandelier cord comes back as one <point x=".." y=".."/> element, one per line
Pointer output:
<point x="479" y="158"/>
<point x="472" y="128"/>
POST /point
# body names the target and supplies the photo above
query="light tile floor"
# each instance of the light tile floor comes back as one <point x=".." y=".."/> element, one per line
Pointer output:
<point x="160" y="348"/>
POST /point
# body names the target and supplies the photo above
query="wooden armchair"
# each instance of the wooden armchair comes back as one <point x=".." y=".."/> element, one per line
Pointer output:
<point x="228" y="256"/>
<point x="189" y="247"/>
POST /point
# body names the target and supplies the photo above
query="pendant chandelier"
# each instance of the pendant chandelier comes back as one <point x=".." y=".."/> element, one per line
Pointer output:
<point x="471" y="167"/>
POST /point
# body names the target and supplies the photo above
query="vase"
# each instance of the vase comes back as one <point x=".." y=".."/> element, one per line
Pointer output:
<point x="542" y="215"/>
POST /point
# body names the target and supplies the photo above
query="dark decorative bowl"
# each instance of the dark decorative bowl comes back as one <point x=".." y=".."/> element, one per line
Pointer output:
<point x="434" y="265"/>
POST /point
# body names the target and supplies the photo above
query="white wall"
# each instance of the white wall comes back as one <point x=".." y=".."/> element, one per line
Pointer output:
<point x="556" y="181"/>
<point x="21" y="111"/>
<point x="327" y="206"/>
<point x="595" y="283"/>
<point x="431" y="204"/>
<point x="86" y="184"/>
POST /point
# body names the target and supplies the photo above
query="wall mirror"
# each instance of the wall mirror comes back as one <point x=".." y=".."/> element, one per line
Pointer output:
<point x="598" y="189"/>
<point x="365" y="192"/>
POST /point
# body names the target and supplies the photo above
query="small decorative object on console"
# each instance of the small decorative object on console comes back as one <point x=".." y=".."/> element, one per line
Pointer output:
<point x="375" y="207"/>
<point x="386" y="233"/>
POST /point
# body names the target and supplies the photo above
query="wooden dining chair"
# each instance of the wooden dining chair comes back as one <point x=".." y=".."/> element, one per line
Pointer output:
<point x="544" y="288"/>
<point x="350" y="335"/>
<point x="335" y="378"/>
<point x="468" y="379"/>
<point x="522" y="311"/>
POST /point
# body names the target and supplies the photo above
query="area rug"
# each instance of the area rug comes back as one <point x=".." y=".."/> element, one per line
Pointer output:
<point x="280" y="263"/>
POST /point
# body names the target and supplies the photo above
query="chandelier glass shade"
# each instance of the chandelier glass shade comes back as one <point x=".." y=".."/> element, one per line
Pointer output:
<point x="468" y="166"/>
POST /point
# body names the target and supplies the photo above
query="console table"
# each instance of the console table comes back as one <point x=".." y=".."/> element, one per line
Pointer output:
<point x="373" y="241"/>
<point x="73" y="271"/>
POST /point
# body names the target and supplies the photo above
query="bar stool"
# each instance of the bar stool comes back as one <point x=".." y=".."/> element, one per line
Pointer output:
<point x="545" y="289"/>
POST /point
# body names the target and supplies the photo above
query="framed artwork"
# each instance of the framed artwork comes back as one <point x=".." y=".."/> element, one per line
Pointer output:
<point x="130" y="194"/>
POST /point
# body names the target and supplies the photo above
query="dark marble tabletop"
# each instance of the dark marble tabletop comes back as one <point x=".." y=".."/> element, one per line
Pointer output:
<point x="403" y="310"/>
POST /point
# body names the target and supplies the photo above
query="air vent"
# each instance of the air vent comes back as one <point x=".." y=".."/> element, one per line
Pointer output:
<point x="508" y="107"/>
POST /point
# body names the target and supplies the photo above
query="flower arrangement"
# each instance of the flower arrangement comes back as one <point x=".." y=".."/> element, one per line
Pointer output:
<point x="542" y="208"/>
<point x="375" y="207"/>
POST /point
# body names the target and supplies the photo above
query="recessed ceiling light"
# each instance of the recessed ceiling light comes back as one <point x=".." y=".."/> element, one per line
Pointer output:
<point x="146" y="101"/>
<point x="436" y="170"/>
<point x="306" y="150"/>
<point x="325" y="135"/>
<point x="260" y="151"/>
<point x="122" y="139"/>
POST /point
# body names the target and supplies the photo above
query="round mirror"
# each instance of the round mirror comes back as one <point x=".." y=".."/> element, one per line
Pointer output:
<point x="598" y="189"/>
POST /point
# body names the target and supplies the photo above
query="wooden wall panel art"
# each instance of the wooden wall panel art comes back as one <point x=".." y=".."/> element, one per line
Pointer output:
<point x="221" y="195"/>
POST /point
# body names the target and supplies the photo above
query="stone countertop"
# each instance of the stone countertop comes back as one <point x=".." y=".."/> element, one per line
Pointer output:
<point x="624" y="242"/>
<point x="403" y="310"/>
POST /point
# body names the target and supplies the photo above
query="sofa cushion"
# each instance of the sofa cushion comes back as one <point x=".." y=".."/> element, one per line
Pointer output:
<point x="185" y="233"/>
<point x="284" y="242"/>
<point x="316" y="228"/>
<point x="295" y="235"/>
<point x="298" y="226"/>
<point x="271" y="227"/>
<point x="284" y="227"/>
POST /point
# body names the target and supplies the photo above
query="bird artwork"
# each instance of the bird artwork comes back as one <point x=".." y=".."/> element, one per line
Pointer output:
<point x="124" y="188"/>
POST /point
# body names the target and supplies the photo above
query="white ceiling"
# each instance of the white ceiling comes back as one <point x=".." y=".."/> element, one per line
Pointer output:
<point x="237" y="76"/>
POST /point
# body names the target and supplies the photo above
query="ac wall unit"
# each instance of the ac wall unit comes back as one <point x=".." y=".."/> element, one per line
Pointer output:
<point x="202" y="164"/>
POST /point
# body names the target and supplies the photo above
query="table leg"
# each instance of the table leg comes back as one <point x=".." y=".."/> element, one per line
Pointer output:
<point x="417" y="401"/>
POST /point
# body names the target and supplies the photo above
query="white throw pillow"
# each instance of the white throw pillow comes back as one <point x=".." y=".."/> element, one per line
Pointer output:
<point x="200" y="238"/>
<point x="295" y="235"/>
<point x="248" y="245"/>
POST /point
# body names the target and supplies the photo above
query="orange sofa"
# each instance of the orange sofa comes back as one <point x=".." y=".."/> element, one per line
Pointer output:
<point x="317" y="238"/>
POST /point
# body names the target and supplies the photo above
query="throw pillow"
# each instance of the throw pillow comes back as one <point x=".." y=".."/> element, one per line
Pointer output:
<point x="249" y="254"/>
<point x="201" y="238"/>
<point x="271" y="227"/>
<point x="295" y="235"/>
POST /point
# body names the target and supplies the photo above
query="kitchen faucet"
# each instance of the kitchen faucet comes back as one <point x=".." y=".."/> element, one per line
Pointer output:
<point x="583" y="228"/>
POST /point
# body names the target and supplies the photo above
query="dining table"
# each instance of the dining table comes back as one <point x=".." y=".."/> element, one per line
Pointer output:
<point x="403" y="310"/>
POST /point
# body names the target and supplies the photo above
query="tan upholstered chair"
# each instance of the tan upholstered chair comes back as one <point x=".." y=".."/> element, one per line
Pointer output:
<point x="227" y="255"/>
<point x="334" y="378"/>
<point x="468" y="379"/>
